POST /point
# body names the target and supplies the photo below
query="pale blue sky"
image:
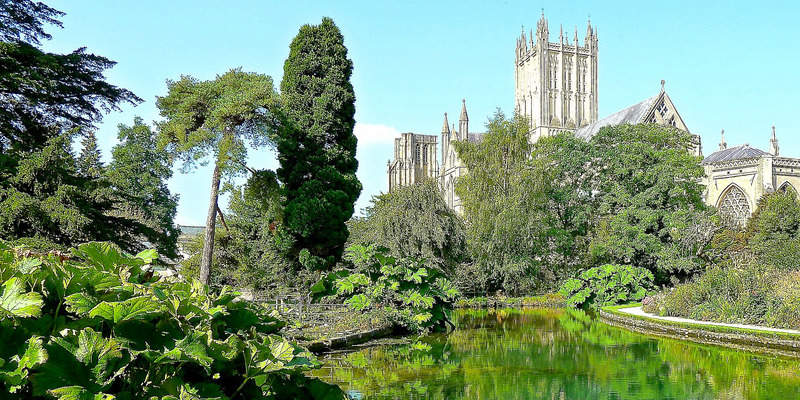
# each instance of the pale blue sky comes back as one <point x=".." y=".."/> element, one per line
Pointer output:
<point x="727" y="65"/>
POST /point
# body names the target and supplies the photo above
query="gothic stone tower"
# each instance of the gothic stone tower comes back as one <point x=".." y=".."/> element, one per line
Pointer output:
<point x="556" y="83"/>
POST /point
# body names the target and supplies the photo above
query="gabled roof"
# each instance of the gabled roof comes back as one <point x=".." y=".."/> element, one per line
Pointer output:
<point x="631" y="115"/>
<point x="638" y="113"/>
<point x="734" y="153"/>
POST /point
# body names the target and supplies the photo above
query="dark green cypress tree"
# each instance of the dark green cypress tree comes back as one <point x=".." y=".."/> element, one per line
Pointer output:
<point x="316" y="145"/>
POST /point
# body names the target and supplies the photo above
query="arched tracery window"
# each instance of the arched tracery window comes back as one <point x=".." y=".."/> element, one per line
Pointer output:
<point x="734" y="204"/>
<point x="787" y="187"/>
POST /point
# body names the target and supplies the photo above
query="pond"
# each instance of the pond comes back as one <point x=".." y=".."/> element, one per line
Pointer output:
<point x="556" y="354"/>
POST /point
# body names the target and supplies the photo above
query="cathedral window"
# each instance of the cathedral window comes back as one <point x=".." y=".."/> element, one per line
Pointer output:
<point x="672" y="122"/>
<point x="425" y="155"/>
<point x="417" y="157"/>
<point x="734" y="205"/>
<point x="787" y="187"/>
<point x="662" y="109"/>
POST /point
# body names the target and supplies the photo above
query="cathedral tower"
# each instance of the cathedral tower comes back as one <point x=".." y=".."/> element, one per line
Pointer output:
<point x="556" y="82"/>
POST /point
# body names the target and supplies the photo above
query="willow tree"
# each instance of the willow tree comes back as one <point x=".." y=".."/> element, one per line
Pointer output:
<point x="316" y="145"/>
<point x="216" y="121"/>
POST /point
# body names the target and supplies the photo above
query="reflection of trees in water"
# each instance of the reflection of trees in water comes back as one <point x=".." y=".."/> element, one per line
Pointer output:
<point x="553" y="354"/>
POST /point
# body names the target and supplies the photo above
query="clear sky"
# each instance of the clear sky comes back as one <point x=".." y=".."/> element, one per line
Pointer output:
<point x="727" y="65"/>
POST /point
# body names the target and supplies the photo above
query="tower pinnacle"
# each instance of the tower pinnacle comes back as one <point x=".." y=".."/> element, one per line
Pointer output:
<point x="722" y="144"/>
<point x="773" y="144"/>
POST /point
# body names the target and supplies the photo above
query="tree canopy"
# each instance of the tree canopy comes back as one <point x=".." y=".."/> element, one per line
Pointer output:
<point x="316" y="144"/>
<point x="413" y="221"/>
<point x="40" y="91"/>
<point x="500" y="197"/>
<point x="46" y="100"/>
<point x="648" y="194"/>
<point x="138" y="174"/>
<point x="215" y="120"/>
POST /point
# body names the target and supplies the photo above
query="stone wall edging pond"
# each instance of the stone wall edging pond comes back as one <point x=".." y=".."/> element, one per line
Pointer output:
<point x="738" y="339"/>
<point x="350" y="340"/>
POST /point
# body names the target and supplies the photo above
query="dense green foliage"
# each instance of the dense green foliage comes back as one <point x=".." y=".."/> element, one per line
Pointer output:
<point x="138" y="174"/>
<point x="608" y="285"/>
<point x="253" y="251"/>
<point x="89" y="163"/>
<point x="500" y="196"/>
<point x="46" y="199"/>
<point x="316" y="144"/>
<point x="649" y="194"/>
<point x="43" y="95"/>
<point x="97" y="324"/>
<point x="539" y="213"/>
<point x="46" y="203"/>
<point x="413" y="221"/>
<point x="755" y="275"/>
<point x="419" y="299"/>
<point x="216" y="119"/>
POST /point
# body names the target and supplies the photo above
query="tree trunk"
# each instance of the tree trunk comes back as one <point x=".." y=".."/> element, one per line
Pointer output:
<point x="208" y="243"/>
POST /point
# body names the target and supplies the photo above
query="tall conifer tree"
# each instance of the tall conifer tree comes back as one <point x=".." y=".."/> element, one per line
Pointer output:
<point x="316" y="145"/>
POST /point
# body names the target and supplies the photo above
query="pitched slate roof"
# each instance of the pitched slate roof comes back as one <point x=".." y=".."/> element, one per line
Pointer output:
<point x="734" y="153"/>
<point x="475" y="137"/>
<point x="631" y="115"/>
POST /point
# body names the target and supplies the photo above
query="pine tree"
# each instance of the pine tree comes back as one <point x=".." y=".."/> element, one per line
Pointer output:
<point x="316" y="145"/>
<point x="89" y="163"/>
<point x="138" y="172"/>
<point x="45" y="100"/>
<point x="216" y="119"/>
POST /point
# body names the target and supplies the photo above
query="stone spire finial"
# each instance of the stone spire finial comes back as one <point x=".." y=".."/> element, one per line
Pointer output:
<point x="589" y="32"/>
<point x="773" y="144"/>
<point x="722" y="144"/>
<point x="446" y="125"/>
<point x="576" y="36"/>
<point x="463" y="122"/>
<point x="662" y="85"/>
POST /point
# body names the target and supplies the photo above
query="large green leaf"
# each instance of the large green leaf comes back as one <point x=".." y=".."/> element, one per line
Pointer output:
<point x="15" y="303"/>
<point x="358" y="302"/>
<point x="134" y="308"/>
<point x="106" y="256"/>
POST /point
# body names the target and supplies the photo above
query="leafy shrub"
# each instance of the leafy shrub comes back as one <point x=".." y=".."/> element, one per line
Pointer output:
<point x="752" y="293"/>
<point x="99" y="325"/>
<point x="419" y="298"/>
<point x="606" y="285"/>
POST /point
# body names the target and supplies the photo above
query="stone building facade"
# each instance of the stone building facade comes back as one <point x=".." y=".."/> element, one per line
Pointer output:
<point x="556" y="82"/>
<point x="556" y="88"/>
<point x="452" y="167"/>
<point x="415" y="159"/>
<point x="736" y="177"/>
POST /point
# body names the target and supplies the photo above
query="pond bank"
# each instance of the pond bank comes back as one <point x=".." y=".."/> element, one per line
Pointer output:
<point x="781" y="342"/>
<point x="349" y="340"/>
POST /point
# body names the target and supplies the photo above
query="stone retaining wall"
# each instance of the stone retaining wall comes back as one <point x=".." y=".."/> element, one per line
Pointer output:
<point x="343" y="342"/>
<point x="738" y="340"/>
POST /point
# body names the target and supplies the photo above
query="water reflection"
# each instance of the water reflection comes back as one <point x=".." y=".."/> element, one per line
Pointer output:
<point x="556" y="354"/>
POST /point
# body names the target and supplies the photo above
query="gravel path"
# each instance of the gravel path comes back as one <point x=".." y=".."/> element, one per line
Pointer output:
<point x="638" y="311"/>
